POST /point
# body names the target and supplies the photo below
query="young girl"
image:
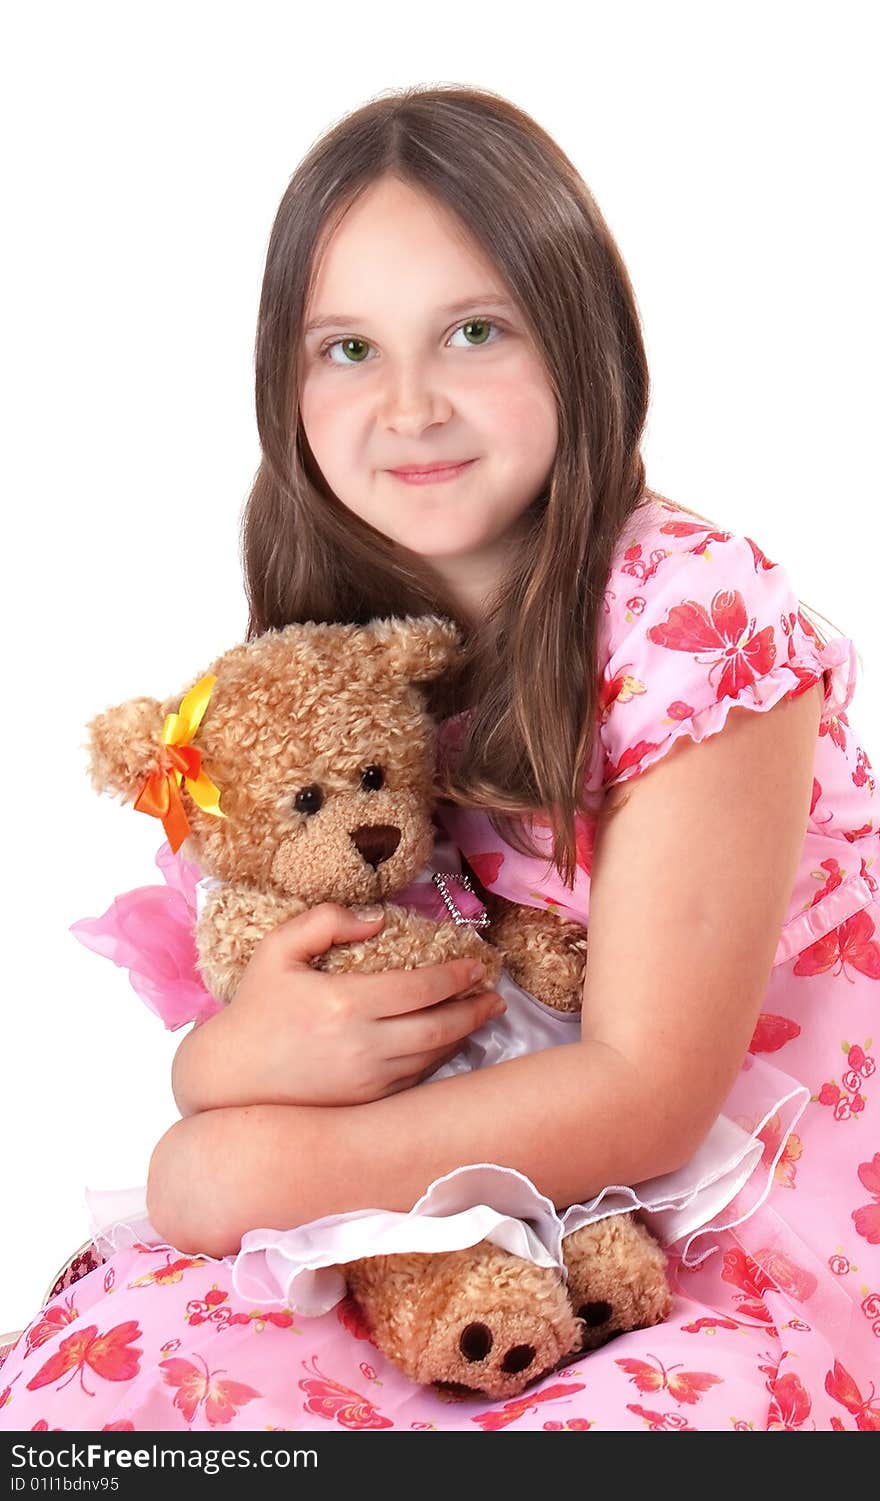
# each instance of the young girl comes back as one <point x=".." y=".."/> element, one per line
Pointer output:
<point x="441" y="290"/>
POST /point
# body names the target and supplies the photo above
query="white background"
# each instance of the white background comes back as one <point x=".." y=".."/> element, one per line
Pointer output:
<point x="732" y="149"/>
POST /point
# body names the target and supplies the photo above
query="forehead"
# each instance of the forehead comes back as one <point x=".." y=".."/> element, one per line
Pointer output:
<point x="397" y="249"/>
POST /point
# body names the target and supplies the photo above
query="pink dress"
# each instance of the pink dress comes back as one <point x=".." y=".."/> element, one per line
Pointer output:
<point x="772" y="1231"/>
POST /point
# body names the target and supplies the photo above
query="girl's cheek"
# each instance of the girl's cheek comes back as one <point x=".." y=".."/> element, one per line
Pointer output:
<point x="523" y="413"/>
<point x="319" y="408"/>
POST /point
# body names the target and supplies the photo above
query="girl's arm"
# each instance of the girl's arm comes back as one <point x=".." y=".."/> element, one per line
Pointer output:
<point x="690" y="886"/>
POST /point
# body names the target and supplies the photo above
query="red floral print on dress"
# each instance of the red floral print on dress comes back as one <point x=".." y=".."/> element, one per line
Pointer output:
<point x="839" y="1384"/>
<point x="486" y="867"/>
<point x="790" y="1404"/>
<point x="326" y="1398"/>
<point x="871" y="1309"/>
<point x="867" y="1219"/>
<point x="835" y="727"/>
<point x="846" y="1099"/>
<point x="620" y="689"/>
<point x="633" y="565"/>
<point x="726" y="633"/>
<point x="831" y="875"/>
<point x="351" y="1317"/>
<point x="786" y="1274"/>
<point x="109" y="1355"/>
<point x="860" y="1063"/>
<point x="662" y="1422"/>
<point x="632" y="756"/>
<point x="739" y="1270"/>
<point x="54" y="1318"/>
<point x="852" y="944"/>
<point x="222" y="1400"/>
<point x="687" y="1386"/>
<point x="706" y="533"/>
<point x="772" y="1033"/>
<point x="214" y="1308"/>
<point x="785" y="1172"/>
<point x="171" y="1272"/>
<point x="711" y="1325"/>
<point x="862" y="774"/>
<point x="845" y="1107"/>
<point x="679" y="711"/>
<point x="517" y="1407"/>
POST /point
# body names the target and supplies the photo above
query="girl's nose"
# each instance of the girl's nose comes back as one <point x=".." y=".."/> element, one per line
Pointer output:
<point x="414" y="401"/>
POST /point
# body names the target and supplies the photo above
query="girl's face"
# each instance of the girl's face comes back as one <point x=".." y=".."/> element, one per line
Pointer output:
<point x="421" y="358"/>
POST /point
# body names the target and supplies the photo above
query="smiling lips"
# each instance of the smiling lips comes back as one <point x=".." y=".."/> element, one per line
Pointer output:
<point x="426" y="474"/>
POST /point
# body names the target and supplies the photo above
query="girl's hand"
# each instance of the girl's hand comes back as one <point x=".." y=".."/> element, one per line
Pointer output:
<point x="294" y="1035"/>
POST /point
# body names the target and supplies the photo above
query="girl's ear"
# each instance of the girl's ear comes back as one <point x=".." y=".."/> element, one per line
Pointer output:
<point x="417" y="647"/>
<point x="124" y="745"/>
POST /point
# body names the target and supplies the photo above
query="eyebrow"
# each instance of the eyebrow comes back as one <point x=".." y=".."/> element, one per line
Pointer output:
<point x="349" y="320"/>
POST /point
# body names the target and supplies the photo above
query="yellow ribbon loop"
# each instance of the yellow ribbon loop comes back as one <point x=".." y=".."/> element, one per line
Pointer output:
<point x="181" y="762"/>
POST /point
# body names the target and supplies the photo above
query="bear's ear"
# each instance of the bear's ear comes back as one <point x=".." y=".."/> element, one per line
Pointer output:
<point x="124" y="745"/>
<point x="416" y="647"/>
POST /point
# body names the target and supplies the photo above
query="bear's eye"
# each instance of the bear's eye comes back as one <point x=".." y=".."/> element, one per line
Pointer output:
<point x="309" y="799"/>
<point x="372" y="778"/>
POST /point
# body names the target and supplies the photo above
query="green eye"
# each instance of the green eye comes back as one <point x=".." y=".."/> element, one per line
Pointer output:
<point x="352" y="346"/>
<point x="478" y="323"/>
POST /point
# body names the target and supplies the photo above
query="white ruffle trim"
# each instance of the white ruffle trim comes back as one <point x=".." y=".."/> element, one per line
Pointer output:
<point x="724" y="1183"/>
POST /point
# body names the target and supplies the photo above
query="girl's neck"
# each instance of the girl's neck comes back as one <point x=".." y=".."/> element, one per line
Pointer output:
<point x="475" y="579"/>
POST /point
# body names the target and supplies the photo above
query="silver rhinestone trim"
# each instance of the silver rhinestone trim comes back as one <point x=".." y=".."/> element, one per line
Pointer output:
<point x="441" y="880"/>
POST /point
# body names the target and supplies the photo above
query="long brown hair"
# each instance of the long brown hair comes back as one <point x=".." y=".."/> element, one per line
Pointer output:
<point x="528" y="672"/>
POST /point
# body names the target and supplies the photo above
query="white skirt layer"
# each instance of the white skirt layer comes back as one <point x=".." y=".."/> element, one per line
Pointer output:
<point x="722" y="1185"/>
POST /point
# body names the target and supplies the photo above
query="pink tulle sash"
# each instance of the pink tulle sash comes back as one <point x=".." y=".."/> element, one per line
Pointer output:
<point x="151" y="932"/>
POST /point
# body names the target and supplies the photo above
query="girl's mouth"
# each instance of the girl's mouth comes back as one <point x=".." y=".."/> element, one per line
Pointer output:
<point x="435" y="474"/>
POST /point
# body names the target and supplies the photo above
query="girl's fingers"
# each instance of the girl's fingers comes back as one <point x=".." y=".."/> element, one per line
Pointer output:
<point x="400" y="1085"/>
<point x="410" y="1080"/>
<point x="396" y="992"/>
<point x="420" y="1039"/>
<point x="420" y="1075"/>
<point x="314" y="931"/>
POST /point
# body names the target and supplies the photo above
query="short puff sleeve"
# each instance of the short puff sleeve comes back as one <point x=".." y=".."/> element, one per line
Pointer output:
<point x="703" y="631"/>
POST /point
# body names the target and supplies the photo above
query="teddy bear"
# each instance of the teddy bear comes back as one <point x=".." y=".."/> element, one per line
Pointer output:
<point x="317" y="741"/>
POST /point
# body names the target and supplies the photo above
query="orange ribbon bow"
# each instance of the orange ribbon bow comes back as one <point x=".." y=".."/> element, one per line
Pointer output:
<point x="180" y="761"/>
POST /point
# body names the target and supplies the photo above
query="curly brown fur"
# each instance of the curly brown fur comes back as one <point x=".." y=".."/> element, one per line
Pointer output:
<point x="478" y="1320"/>
<point x="544" y="953"/>
<point x="616" y="1278"/>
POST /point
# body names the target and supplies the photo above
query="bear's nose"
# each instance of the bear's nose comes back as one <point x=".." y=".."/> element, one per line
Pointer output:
<point x="375" y="841"/>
